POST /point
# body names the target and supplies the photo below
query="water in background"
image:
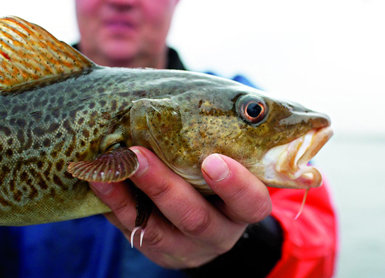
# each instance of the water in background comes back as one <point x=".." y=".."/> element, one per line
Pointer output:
<point x="354" y="166"/>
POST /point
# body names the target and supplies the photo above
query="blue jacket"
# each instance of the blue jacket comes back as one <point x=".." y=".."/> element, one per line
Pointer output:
<point x="87" y="247"/>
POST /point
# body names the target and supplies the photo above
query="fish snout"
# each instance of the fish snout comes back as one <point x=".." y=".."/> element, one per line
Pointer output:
<point x="319" y="120"/>
<point x="312" y="119"/>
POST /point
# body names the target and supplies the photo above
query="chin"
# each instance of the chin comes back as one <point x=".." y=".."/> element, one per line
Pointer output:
<point x="120" y="51"/>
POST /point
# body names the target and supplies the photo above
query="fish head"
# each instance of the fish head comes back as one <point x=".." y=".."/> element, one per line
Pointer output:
<point x="274" y="139"/>
<point x="283" y="137"/>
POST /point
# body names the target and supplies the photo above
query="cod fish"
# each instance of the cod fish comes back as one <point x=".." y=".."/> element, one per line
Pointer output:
<point x="65" y="121"/>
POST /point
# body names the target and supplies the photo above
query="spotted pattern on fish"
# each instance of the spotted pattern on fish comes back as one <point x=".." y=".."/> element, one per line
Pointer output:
<point x="20" y="68"/>
<point x="45" y="128"/>
<point x="63" y="118"/>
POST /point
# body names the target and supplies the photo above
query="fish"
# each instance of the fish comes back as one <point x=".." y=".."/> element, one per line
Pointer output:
<point x="66" y="121"/>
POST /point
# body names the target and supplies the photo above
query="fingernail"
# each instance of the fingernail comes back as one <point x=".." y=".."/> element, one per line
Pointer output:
<point x="102" y="188"/>
<point x="215" y="167"/>
<point x="143" y="163"/>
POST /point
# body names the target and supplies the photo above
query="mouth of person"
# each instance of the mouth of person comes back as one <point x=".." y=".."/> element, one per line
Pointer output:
<point x="288" y="165"/>
<point x="117" y="26"/>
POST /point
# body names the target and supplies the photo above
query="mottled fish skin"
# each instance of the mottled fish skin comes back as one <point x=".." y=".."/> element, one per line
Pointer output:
<point x="42" y="130"/>
<point x="77" y="116"/>
<point x="45" y="128"/>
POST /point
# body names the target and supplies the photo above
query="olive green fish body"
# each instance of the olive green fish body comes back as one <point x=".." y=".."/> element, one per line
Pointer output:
<point x="68" y="121"/>
<point x="44" y="129"/>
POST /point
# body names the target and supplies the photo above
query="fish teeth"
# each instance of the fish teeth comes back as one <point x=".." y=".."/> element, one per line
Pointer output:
<point x="288" y="164"/>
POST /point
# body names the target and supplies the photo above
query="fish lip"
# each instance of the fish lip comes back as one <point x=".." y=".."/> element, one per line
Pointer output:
<point x="288" y="165"/>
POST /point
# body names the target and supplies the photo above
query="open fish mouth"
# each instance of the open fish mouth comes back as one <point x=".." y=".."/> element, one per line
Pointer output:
<point x="288" y="165"/>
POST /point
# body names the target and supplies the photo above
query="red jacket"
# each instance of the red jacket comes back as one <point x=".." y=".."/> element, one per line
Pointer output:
<point x="310" y="242"/>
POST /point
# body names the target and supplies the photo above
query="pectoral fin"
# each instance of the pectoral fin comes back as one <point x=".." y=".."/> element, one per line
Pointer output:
<point x="113" y="166"/>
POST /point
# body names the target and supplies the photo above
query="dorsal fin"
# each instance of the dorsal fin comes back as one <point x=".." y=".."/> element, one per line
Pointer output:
<point x="30" y="55"/>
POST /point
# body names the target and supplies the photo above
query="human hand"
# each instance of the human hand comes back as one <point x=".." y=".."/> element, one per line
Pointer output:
<point x="188" y="230"/>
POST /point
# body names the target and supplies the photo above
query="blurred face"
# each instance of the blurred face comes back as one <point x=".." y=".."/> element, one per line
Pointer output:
<point x="117" y="32"/>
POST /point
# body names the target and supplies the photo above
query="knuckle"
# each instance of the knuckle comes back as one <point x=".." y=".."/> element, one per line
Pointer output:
<point x="125" y="214"/>
<point x="153" y="238"/>
<point x="160" y="189"/>
<point x="239" y="192"/>
<point x="251" y="205"/>
<point x="262" y="211"/>
<point x="119" y="206"/>
<point x="195" y="221"/>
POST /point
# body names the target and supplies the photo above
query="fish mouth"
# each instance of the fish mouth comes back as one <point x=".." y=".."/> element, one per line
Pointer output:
<point x="288" y="165"/>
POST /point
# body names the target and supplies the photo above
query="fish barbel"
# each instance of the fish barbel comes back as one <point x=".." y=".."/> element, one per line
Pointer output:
<point x="66" y="121"/>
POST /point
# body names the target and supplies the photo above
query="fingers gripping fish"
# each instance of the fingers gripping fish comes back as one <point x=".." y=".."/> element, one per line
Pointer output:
<point x="66" y="121"/>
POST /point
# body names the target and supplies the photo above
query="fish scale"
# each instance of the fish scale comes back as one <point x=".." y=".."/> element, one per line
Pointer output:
<point x="71" y="122"/>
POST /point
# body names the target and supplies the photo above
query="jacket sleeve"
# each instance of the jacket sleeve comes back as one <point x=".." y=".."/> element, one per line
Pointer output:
<point x="309" y="243"/>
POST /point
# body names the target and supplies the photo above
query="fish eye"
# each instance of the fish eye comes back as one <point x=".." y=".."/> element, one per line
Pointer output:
<point x="252" y="110"/>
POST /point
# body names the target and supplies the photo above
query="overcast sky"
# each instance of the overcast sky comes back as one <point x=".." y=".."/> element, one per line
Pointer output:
<point x="328" y="55"/>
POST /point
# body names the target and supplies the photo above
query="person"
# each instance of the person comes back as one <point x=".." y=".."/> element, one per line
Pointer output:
<point x="249" y="230"/>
